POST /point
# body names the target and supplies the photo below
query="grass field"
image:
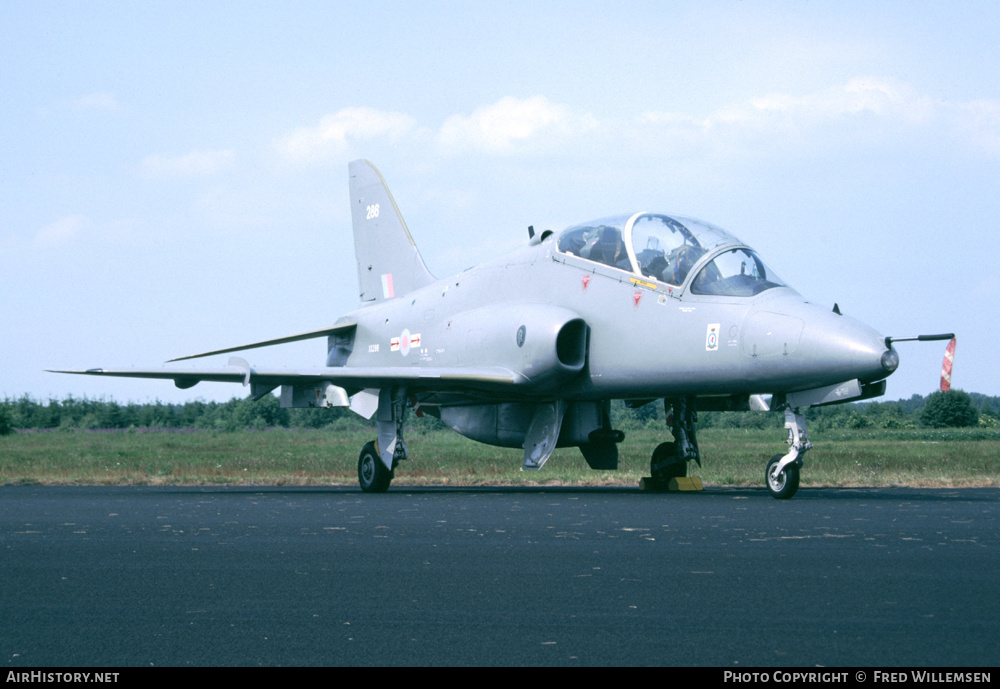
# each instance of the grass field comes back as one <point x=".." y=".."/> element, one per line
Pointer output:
<point x="731" y="457"/>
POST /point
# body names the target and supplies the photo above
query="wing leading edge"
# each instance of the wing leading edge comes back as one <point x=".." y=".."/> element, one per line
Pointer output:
<point x="339" y="329"/>
<point x="350" y="378"/>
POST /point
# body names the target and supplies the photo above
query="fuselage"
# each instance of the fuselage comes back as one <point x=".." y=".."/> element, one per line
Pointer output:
<point x="644" y="337"/>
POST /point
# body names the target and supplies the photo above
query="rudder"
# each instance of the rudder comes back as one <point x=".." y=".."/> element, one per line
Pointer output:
<point x="389" y="264"/>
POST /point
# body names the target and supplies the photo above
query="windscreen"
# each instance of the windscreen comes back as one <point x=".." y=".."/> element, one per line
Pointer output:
<point x="736" y="273"/>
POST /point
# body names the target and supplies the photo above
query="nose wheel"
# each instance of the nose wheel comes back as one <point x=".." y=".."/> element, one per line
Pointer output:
<point x="782" y="473"/>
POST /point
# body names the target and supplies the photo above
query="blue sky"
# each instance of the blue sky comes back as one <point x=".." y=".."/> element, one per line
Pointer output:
<point x="174" y="175"/>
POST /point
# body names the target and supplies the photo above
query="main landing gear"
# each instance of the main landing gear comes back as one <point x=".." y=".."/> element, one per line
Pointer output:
<point x="670" y="459"/>
<point x="378" y="459"/>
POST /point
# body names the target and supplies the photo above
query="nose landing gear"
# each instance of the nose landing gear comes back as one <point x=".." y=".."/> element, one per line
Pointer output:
<point x="782" y="472"/>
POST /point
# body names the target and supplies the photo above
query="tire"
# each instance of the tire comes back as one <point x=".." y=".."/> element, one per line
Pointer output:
<point x="372" y="474"/>
<point x="785" y="484"/>
<point x="663" y="474"/>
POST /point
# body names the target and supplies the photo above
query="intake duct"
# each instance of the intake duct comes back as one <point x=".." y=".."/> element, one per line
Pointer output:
<point x="546" y="344"/>
<point x="551" y="342"/>
<point x="571" y="345"/>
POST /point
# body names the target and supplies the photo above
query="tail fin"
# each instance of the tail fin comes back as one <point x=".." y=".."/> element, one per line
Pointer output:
<point x="389" y="264"/>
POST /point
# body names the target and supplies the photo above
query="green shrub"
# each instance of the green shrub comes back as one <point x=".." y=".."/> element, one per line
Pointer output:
<point x="951" y="409"/>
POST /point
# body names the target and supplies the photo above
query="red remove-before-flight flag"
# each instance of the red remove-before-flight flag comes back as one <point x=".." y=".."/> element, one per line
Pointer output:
<point x="949" y="359"/>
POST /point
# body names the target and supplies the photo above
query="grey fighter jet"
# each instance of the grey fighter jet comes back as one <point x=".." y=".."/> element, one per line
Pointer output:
<point x="528" y="350"/>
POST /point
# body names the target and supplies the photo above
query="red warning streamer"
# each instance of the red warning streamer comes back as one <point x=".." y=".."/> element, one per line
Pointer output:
<point x="949" y="359"/>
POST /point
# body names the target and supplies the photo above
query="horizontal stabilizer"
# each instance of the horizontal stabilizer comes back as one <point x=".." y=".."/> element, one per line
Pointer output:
<point x="324" y="332"/>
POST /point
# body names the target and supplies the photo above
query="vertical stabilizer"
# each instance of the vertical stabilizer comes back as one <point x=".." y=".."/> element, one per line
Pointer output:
<point x="389" y="264"/>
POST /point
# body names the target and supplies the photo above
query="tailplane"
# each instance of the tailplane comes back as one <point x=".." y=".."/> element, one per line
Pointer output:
<point x="389" y="264"/>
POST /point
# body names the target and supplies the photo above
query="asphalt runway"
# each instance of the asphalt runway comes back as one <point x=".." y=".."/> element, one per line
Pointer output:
<point x="168" y="576"/>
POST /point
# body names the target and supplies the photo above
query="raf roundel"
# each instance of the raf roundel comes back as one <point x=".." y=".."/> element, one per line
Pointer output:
<point x="521" y="332"/>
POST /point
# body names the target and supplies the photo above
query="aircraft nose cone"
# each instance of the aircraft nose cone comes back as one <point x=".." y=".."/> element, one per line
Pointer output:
<point x="890" y="361"/>
<point x="797" y="344"/>
<point x="851" y="348"/>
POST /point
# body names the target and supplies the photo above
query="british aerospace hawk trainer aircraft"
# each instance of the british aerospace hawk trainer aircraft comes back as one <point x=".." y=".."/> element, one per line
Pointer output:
<point x="536" y="364"/>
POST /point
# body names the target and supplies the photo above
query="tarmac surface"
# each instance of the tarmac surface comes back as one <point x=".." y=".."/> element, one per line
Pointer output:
<point x="173" y="576"/>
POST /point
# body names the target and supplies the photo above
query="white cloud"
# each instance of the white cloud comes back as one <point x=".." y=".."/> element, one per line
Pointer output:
<point x="101" y="100"/>
<point x="331" y="136"/>
<point x="195" y="163"/>
<point x="60" y="232"/>
<point x="871" y="109"/>
<point x="497" y="128"/>
<point x="857" y="114"/>
<point x="880" y="97"/>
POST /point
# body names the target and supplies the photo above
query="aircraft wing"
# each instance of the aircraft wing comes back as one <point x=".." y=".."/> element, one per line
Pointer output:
<point x="351" y="378"/>
<point x="348" y="377"/>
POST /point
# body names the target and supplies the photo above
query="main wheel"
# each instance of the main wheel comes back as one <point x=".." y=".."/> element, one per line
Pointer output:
<point x="660" y="466"/>
<point x="782" y="485"/>
<point x="372" y="474"/>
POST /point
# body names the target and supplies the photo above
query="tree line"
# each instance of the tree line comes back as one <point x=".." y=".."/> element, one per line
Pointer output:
<point x="938" y="410"/>
<point x="953" y="409"/>
<point x="237" y="414"/>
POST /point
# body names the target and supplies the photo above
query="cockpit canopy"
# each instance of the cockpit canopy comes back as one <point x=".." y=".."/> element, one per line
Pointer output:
<point x="668" y="249"/>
